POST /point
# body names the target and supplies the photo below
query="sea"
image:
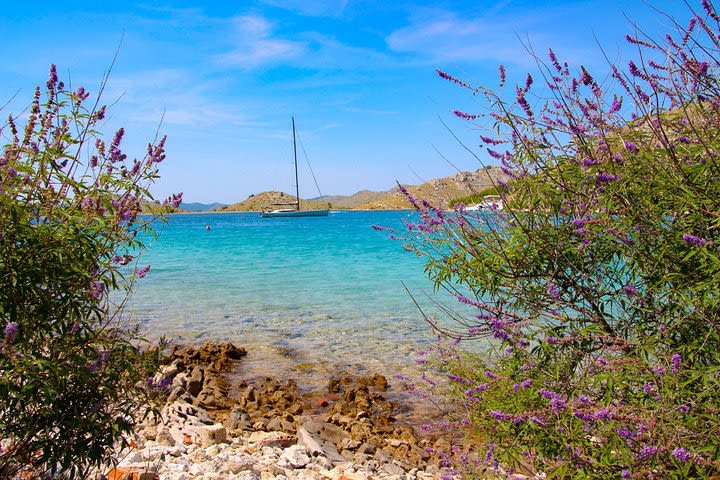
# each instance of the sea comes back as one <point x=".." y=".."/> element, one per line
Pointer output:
<point x="308" y="297"/>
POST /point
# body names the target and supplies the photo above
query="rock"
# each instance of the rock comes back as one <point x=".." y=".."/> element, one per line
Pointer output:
<point x="326" y="431"/>
<point x="181" y="380"/>
<point x="153" y="453"/>
<point x="366" y="449"/>
<point x="218" y="356"/>
<point x="169" y="371"/>
<point x="317" y="447"/>
<point x="195" y="383"/>
<point x="278" y="424"/>
<point x="246" y="476"/>
<point x="133" y="457"/>
<point x="238" y="420"/>
<point x="239" y="463"/>
<point x="294" y="457"/>
<point x="393" y="469"/>
<point x="350" y="444"/>
<point x="272" y="439"/>
<point x="164" y="437"/>
<point x="211" y="434"/>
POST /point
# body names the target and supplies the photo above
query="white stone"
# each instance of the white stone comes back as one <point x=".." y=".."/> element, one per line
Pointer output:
<point x="176" y="467"/>
<point x="133" y="456"/>
<point x="294" y="457"/>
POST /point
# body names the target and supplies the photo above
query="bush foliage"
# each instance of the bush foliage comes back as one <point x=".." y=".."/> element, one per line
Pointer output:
<point x="70" y="370"/>
<point x="597" y="288"/>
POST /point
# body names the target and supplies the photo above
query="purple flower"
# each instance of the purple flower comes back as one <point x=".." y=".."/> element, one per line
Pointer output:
<point x="646" y="451"/>
<point x="649" y="388"/>
<point x="605" y="177"/>
<point x="630" y="290"/>
<point x="498" y="415"/>
<point x="11" y="332"/>
<point x="681" y="454"/>
<point x="693" y="240"/>
<point x="160" y="385"/>
<point x="465" y="116"/>
<point x="52" y="78"/>
<point x="660" y="370"/>
<point x="457" y="378"/>
<point x="631" y="147"/>
<point x="94" y="367"/>
<point x="502" y="75"/>
<point x="625" y="474"/>
<point x="473" y="391"/>
<point x="491" y="375"/>
<point x="710" y="9"/>
<point x="96" y="290"/>
<point x="143" y="271"/>
<point x="675" y="362"/>
<point x="526" y="383"/>
<point x="552" y="290"/>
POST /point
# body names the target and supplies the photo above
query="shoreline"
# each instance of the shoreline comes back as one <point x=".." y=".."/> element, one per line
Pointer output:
<point x="260" y="211"/>
<point x="218" y="425"/>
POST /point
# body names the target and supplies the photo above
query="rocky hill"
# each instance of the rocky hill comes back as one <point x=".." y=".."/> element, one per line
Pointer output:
<point x="200" y="207"/>
<point x="351" y="201"/>
<point x="268" y="200"/>
<point x="440" y="191"/>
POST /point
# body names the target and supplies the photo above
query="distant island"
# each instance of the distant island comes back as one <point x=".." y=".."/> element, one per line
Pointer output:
<point x="200" y="207"/>
<point x="439" y="191"/>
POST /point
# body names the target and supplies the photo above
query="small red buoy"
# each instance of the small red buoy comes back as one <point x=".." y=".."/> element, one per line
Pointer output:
<point x="207" y="228"/>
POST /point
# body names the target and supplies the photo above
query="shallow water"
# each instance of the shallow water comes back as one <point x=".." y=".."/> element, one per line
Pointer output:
<point x="310" y="296"/>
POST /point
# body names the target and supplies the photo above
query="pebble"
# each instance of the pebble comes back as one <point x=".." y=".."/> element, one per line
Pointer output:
<point x="276" y="442"/>
<point x="260" y="455"/>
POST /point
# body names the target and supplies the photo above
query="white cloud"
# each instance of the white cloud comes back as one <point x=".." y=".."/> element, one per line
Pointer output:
<point x="184" y="100"/>
<point x="318" y="8"/>
<point x="449" y="38"/>
<point x="498" y="36"/>
<point x="255" y="44"/>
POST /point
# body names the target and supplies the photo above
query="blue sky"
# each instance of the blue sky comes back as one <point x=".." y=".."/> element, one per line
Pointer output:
<point x="359" y="77"/>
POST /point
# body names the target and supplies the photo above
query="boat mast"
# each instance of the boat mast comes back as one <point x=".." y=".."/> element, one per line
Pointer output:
<point x="297" y="184"/>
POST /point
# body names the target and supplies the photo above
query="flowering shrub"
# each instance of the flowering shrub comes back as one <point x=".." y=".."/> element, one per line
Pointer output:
<point x="69" y="226"/>
<point x="597" y="285"/>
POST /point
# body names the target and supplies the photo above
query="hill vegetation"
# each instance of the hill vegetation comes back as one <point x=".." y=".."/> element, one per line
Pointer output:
<point x="441" y="191"/>
<point x="200" y="207"/>
<point x="270" y="200"/>
<point x="467" y="187"/>
<point x="351" y="201"/>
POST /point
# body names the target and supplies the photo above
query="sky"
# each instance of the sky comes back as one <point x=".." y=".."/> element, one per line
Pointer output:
<point x="359" y="77"/>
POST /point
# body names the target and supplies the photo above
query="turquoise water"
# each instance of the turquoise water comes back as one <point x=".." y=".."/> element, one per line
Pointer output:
<point x="320" y="290"/>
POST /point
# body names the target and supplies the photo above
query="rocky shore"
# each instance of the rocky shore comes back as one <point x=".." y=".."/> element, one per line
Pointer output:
<point x="211" y="428"/>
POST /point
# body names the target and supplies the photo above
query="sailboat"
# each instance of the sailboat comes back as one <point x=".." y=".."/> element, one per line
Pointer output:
<point x="293" y="212"/>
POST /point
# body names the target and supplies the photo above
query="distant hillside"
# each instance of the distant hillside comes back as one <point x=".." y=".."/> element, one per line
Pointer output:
<point x="351" y="201"/>
<point x="440" y="191"/>
<point x="200" y="207"/>
<point x="261" y="201"/>
<point x="156" y="208"/>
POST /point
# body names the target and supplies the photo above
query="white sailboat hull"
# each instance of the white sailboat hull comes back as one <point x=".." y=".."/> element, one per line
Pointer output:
<point x="294" y="213"/>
